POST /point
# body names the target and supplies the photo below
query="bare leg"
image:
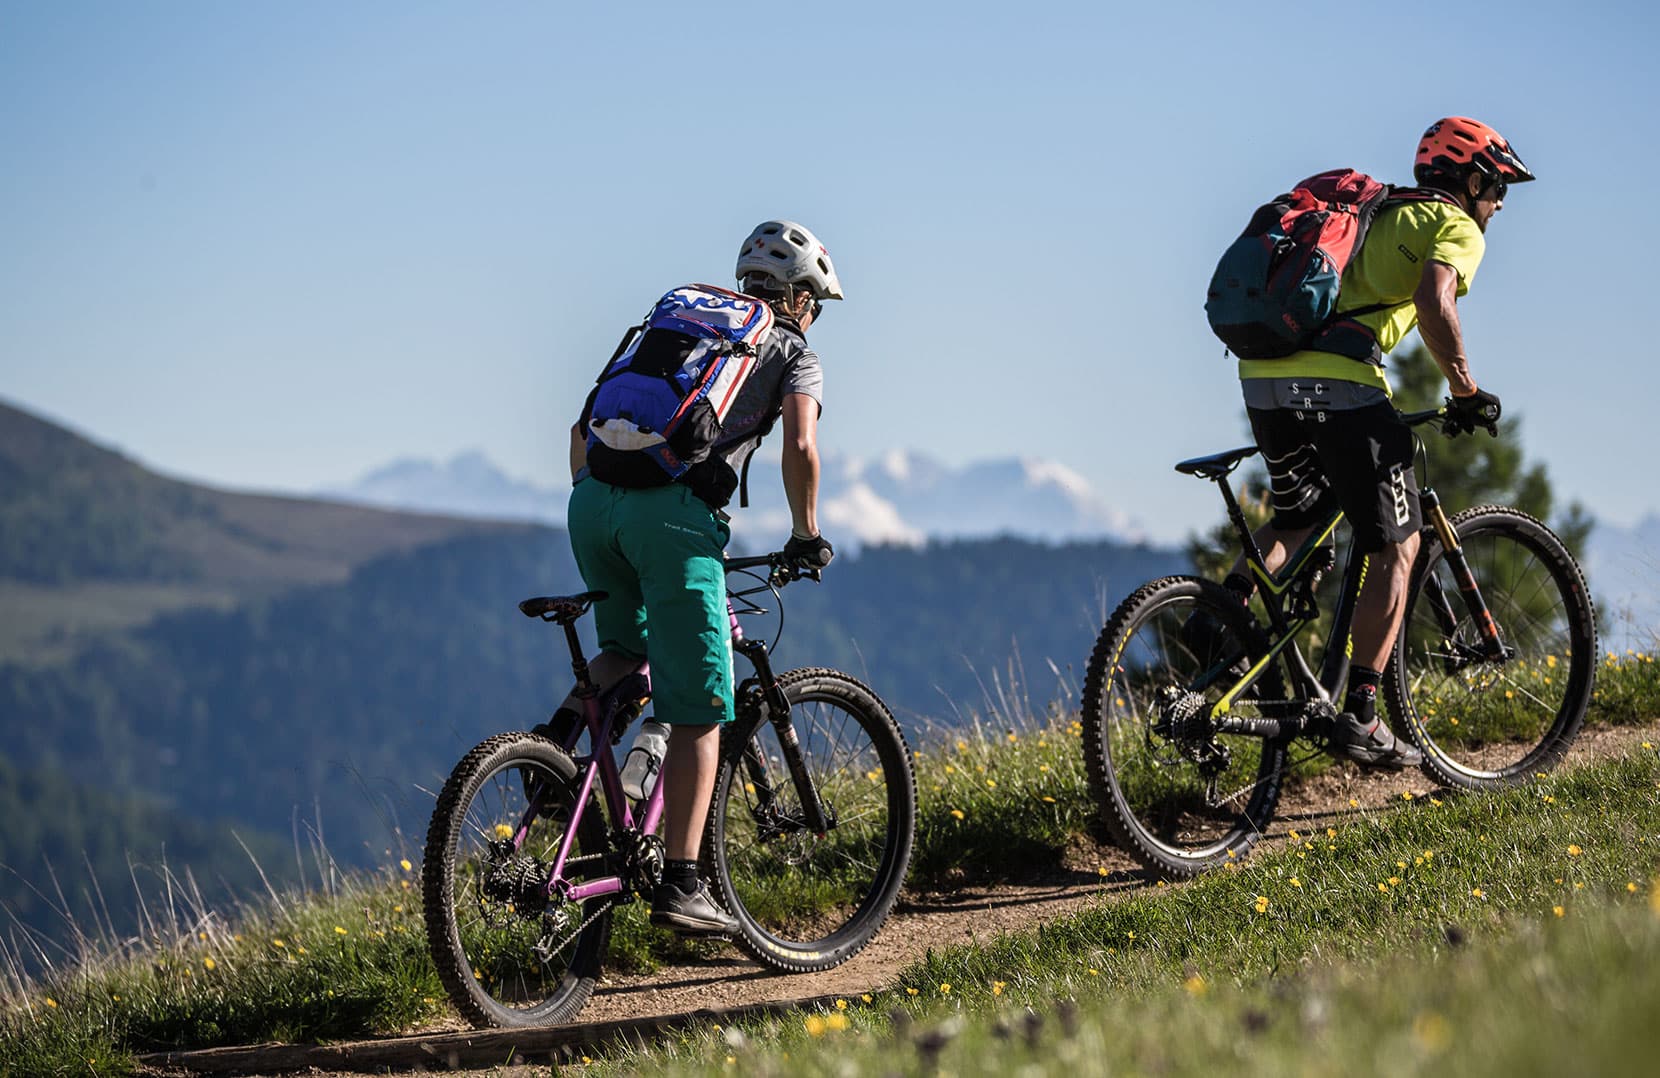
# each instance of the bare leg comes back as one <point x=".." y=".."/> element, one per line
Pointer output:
<point x="1276" y="545"/>
<point x="1382" y="602"/>
<point x="689" y="768"/>
<point x="606" y="669"/>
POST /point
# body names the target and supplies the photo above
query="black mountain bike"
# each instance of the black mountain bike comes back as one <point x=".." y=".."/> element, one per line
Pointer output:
<point x="533" y="844"/>
<point x="1192" y="704"/>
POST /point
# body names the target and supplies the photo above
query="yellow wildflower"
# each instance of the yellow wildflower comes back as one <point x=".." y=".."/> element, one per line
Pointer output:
<point x="208" y="963"/>
<point x="278" y="943"/>
<point x="50" y="1002"/>
<point x="865" y="997"/>
<point x="945" y="988"/>
<point x="997" y="987"/>
<point x="1196" y="985"/>
<point x="339" y="931"/>
<point x="841" y="1005"/>
<point x="910" y="991"/>
<point x="1574" y="851"/>
<point x="815" y="1025"/>
<point x="837" y="1021"/>
<point x="1558" y="910"/>
<point x="957" y="813"/>
<point x="1295" y="882"/>
<point x="1478" y="892"/>
<point x="1262" y="903"/>
<point x="406" y="865"/>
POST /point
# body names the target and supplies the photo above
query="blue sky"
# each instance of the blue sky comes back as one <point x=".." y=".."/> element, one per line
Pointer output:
<point x="275" y="246"/>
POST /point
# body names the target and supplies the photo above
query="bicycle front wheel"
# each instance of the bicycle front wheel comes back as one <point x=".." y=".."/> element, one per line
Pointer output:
<point x="807" y="901"/>
<point x="1174" y="793"/>
<point x="1483" y="721"/>
<point x="507" y="953"/>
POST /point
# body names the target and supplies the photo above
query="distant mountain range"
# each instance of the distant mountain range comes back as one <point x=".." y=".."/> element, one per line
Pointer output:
<point x="908" y="498"/>
<point x="1623" y="567"/>
<point x="900" y="497"/>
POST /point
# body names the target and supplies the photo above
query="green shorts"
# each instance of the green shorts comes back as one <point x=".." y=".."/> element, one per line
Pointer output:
<point x="658" y="554"/>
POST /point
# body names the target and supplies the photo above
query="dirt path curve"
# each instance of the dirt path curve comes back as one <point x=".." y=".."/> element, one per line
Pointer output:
<point x="931" y="920"/>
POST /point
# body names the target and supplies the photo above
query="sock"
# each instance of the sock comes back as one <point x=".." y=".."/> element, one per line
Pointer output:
<point x="1240" y="585"/>
<point x="1362" y="700"/>
<point x="683" y="874"/>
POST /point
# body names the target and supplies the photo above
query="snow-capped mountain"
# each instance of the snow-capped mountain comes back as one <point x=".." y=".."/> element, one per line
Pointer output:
<point x="900" y="497"/>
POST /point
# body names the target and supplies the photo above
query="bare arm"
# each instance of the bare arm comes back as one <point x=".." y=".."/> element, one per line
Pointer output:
<point x="1437" y="301"/>
<point x="579" y="450"/>
<point x="801" y="462"/>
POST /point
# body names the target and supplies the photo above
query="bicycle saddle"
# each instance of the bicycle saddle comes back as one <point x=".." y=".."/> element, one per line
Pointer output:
<point x="1216" y="465"/>
<point x="561" y="608"/>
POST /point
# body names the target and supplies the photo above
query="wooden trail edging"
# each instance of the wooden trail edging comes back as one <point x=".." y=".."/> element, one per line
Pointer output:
<point x="472" y="1048"/>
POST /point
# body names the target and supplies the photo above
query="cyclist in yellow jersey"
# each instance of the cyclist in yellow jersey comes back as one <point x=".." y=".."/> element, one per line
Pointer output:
<point x="1324" y="422"/>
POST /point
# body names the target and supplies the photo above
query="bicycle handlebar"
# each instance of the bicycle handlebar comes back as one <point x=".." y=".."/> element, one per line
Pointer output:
<point x="781" y="570"/>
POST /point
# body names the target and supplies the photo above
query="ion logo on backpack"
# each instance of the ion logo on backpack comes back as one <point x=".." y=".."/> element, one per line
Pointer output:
<point x="1275" y="289"/>
<point x="659" y="405"/>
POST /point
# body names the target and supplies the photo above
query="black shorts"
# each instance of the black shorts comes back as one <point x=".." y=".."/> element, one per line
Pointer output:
<point x="1359" y="460"/>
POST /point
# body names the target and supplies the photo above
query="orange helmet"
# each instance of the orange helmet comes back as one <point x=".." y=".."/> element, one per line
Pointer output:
<point x="1458" y="146"/>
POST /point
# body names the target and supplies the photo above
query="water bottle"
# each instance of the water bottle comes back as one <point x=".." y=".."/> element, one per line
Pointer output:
<point x="645" y="759"/>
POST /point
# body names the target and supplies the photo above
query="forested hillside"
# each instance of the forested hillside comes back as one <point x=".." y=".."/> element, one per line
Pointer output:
<point x="342" y="704"/>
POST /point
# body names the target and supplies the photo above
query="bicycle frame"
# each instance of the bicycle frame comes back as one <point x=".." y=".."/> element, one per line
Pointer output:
<point x="600" y="710"/>
<point x="1289" y="612"/>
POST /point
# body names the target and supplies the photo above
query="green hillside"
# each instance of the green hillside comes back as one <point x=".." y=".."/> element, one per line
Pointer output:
<point x="329" y="664"/>
<point x="91" y="541"/>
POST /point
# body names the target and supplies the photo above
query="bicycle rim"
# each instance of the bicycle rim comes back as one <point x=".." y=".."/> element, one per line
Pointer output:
<point x="1165" y="796"/>
<point x="806" y="901"/>
<point x="1486" y="722"/>
<point x="506" y="954"/>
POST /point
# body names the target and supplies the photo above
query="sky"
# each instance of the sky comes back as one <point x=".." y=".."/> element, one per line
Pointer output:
<point x="276" y="246"/>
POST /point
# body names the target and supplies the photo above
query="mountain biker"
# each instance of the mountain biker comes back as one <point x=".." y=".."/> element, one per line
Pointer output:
<point x="657" y="551"/>
<point x="1324" y="422"/>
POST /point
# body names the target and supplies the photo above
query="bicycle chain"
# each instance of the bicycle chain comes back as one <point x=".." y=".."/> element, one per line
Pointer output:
<point x="1248" y="787"/>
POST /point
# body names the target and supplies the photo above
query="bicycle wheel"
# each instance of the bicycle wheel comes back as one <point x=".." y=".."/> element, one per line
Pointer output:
<point x="1175" y="794"/>
<point x="806" y="901"/>
<point x="1485" y="722"/>
<point x="506" y="954"/>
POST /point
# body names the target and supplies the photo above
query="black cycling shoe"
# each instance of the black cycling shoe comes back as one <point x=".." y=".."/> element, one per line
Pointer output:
<point x="690" y="913"/>
<point x="1371" y="744"/>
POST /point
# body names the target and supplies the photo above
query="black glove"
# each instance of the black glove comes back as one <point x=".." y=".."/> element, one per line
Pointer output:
<point x="810" y="553"/>
<point x="1465" y="414"/>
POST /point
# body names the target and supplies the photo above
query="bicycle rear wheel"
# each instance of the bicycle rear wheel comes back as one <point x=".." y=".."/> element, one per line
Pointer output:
<point x="1173" y="793"/>
<point x="806" y="901"/>
<point x="506" y="954"/>
<point x="1485" y="722"/>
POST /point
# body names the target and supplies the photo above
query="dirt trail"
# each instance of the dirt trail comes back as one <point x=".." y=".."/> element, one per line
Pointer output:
<point x="931" y="920"/>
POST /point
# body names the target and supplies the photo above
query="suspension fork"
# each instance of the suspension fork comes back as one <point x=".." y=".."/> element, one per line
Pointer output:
<point x="1453" y="553"/>
<point x="778" y="713"/>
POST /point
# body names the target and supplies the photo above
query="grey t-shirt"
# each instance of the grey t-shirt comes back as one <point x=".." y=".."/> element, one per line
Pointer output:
<point x="786" y="365"/>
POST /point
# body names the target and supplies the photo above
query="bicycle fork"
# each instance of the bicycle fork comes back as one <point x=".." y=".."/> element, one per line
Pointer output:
<point x="1492" y="643"/>
<point x="815" y="816"/>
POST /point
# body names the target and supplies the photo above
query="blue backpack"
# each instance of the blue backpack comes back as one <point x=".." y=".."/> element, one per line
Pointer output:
<point x="659" y="407"/>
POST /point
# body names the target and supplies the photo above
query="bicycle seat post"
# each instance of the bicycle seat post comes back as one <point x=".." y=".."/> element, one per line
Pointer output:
<point x="1237" y="516"/>
<point x="579" y="664"/>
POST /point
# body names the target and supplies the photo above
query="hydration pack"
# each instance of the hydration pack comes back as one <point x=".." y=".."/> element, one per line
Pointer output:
<point x="658" y="408"/>
<point x="1275" y="289"/>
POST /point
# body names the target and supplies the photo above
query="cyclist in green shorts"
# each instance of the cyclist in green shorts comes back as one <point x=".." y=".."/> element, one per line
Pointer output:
<point x="658" y="552"/>
<point x="1324" y="422"/>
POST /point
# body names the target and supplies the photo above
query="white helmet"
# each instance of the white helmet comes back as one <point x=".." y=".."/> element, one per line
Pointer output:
<point x="789" y="254"/>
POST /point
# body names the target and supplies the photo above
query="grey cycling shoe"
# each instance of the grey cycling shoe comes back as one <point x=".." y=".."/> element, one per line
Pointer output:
<point x="1371" y="744"/>
<point x="690" y="913"/>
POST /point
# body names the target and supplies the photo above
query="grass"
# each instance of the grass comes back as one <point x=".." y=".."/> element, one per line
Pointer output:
<point x="1307" y="923"/>
<point x="1513" y="933"/>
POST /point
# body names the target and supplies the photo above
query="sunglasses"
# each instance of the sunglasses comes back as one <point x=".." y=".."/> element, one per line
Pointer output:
<point x="818" y="305"/>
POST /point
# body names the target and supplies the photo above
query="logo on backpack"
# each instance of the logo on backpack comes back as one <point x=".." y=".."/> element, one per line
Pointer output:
<point x="1275" y="289"/>
<point x="660" y="404"/>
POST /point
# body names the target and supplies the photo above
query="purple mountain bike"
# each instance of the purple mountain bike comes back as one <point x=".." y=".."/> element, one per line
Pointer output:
<point x="533" y="843"/>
